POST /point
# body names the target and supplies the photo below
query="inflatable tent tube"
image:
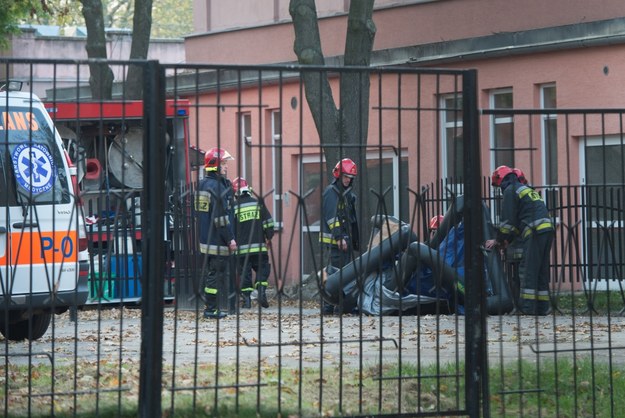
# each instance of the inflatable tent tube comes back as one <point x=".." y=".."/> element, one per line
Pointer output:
<point x="498" y="303"/>
<point x="367" y="262"/>
<point x="446" y="276"/>
<point x="378" y="221"/>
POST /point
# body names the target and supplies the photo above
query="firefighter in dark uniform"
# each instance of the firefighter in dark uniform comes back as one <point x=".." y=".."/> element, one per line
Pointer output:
<point x="253" y="227"/>
<point x="339" y="224"/>
<point x="213" y="208"/>
<point x="525" y="216"/>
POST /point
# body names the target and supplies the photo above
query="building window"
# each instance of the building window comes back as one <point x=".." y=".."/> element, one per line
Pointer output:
<point x="502" y="129"/>
<point x="245" y="126"/>
<point x="452" y="144"/>
<point x="383" y="172"/>
<point x="601" y="170"/>
<point x="549" y="134"/>
<point x="277" y="173"/>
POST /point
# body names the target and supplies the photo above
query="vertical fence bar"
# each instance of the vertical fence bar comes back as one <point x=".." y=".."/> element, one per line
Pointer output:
<point x="153" y="270"/>
<point x="475" y="319"/>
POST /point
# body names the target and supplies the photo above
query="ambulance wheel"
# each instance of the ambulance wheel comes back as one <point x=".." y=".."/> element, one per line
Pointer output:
<point x="20" y="330"/>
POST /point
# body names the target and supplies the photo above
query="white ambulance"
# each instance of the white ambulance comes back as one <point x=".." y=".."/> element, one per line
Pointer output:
<point x="43" y="247"/>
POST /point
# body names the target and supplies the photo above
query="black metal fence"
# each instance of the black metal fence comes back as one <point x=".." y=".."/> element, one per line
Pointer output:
<point x="437" y="336"/>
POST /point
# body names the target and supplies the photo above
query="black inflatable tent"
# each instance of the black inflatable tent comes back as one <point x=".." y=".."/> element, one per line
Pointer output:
<point x="342" y="285"/>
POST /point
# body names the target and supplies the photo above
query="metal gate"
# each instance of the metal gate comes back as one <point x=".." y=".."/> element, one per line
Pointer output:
<point x="425" y="321"/>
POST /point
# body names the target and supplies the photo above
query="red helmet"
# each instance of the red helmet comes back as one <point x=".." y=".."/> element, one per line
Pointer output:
<point x="345" y="166"/>
<point x="435" y="222"/>
<point x="499" y="174"/>
<point x="520" y="174"/>
<point x="214" y="157"/>
<point x="239" y="185"/>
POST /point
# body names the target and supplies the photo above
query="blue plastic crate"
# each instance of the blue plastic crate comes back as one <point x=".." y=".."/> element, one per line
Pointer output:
<point x="128" y="270"/>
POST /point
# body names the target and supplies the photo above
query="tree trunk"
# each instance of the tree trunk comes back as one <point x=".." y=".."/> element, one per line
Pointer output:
<point x="307" y="47"/>
<point x="141" y="28"/>
<point x="355" y="90"/>
<point x="342" y="131"/>
<point x="355" y="85"/>
<point x="101" y="75"/>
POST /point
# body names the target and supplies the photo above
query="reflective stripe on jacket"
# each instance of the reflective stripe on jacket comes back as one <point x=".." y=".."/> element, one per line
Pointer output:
<point x="253" y="225"/>
<point x="523" y="212"/>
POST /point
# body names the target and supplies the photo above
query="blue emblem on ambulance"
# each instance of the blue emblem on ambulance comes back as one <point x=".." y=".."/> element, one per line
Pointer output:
<point x="34" y="167"/>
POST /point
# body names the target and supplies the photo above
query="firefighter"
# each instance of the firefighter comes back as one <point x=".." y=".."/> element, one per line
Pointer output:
<point x="253" y="226"/>
<point x="524" y="216"/>
<point x="213" y="207"/>
<point x="339" y="224"/>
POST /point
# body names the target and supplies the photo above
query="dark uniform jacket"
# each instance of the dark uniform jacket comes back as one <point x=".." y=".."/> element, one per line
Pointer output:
<point x="213" y="207"/>
<point x="339" y="216"/>
<point x="523" y="212"/>
<point x="253" y="225"/>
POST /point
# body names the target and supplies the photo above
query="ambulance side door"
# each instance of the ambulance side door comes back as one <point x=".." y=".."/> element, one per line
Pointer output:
<point x="41" y="242"/>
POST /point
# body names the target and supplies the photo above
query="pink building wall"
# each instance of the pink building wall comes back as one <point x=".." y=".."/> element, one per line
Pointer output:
<point x="577" y="73"/>
<point x="579" y="79"/>
<point x="243" y="34"/>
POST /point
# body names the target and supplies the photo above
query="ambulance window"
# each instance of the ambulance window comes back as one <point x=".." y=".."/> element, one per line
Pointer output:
<point x="32" y="167"/>
<point x="8" y="196"/>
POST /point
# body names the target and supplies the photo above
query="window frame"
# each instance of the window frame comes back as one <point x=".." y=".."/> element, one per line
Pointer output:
<point x="315" y="228"/>
<point x="591" y="223"/>
<point x="371" y="155"/>
<point x="277" y="168"/>
<point x="455" y="125"/>
<point x="547" y="145"/>
<point x="246" y="140"/>
<point x="495" y="120"/>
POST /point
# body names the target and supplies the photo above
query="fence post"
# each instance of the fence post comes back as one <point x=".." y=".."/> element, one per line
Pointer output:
<point x="153" y="209"/>
<point x="475" y="300"/>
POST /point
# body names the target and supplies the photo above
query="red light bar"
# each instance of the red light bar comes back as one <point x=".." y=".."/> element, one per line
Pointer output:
<point x="110" y="110"/>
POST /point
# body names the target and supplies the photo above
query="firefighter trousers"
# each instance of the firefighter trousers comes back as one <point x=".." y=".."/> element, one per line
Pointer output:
<point x="259" y="264"/>
<point x="219" y="283"/>
<point x="534" y="274"/>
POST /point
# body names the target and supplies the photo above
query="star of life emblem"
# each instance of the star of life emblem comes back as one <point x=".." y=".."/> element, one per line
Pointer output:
<point x="34" y="167"/>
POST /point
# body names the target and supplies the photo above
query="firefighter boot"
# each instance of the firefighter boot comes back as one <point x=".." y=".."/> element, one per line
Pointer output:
<point x="246" y="299"/>
<point x="212" y="311"/>
<point x="262" y="296"/>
